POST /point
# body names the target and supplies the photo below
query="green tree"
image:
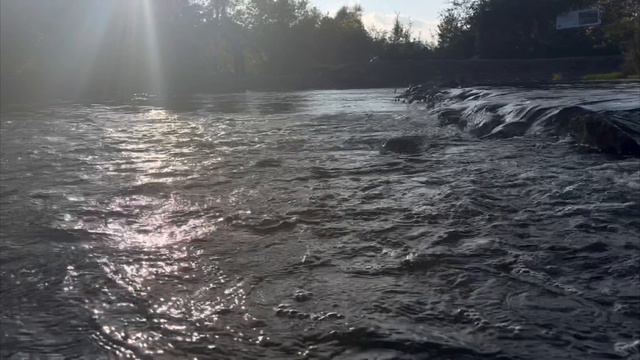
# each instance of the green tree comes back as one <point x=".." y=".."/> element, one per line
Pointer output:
<point x="526" y="29"/>
<point x="622" y="26"/>
<point x="455" y="38"/>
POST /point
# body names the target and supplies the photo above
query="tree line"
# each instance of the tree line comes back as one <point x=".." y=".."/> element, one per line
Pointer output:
<point x="526" y="29"/>
<point x="107" y="48"/>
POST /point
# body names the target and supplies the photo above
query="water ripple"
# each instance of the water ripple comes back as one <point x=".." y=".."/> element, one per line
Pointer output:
<point x="272" y="225"/>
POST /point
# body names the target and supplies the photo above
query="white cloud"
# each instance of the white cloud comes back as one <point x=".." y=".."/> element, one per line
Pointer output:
<point x="425" y="30"/>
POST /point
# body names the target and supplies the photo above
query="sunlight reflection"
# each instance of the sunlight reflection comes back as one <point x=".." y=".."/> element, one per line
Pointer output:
<point x="155" y="228"/>
<point x="148" y="162"/>
<point x="151" y="280"/>
<point x="150" y="230"/>
<point x="159" y="114"/>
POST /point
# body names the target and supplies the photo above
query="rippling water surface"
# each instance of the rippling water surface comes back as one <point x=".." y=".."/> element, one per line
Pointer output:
<point x="271" y="225"/>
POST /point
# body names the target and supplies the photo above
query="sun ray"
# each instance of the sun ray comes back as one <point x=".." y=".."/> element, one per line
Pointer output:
<point x="153" y="55"/>
<point x="87" y="42"/>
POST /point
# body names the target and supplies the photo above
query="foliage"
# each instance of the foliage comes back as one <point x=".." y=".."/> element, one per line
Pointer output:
<point x="107" y="48"/>
<point x="622" y="26"/>
<point x="455" y="36"/>
<point x="526" y="29"/>
<point x="118" y="47"/>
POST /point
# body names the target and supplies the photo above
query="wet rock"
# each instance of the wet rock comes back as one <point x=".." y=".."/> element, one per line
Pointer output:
<point x="448" y="117"/>
<point x="284" y="311"/>
<point x="333" y="315"/>
<point x="599" y="131"/>
<point x="486" y="125"/>
<point x="302" y="295"/>
<point x="509" y="130"/>
<point x="421" y="93"/>
<point x="404" y="145"/>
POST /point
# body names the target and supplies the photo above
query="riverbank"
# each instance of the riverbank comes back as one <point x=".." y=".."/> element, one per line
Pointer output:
<point x="374" y="74"/>
<point x="466" y="72"/>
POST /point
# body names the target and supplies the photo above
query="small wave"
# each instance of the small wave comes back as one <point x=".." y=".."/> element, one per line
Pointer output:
<point x="598" y="125"/>
<point x="266" y="163"/>
<point x="436" y="346"/>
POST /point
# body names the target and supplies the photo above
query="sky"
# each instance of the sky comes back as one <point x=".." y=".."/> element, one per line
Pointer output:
<point x="423" y="14"/>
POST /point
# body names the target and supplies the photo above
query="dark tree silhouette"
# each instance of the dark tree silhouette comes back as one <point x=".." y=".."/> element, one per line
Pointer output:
<point x="114" y="48"/>
<point x="526" y="29"/>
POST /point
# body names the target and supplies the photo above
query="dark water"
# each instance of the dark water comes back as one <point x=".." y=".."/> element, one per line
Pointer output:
<point x="271" y="225"/>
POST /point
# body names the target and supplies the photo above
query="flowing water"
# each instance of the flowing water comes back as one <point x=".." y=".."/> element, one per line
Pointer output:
<point x="271" y="225"/>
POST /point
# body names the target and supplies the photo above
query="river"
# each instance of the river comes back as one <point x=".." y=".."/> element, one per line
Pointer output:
<point x="271" y="225"/>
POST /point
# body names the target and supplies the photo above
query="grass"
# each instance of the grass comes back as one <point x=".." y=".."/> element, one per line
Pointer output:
<point x="604" y="77"/>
